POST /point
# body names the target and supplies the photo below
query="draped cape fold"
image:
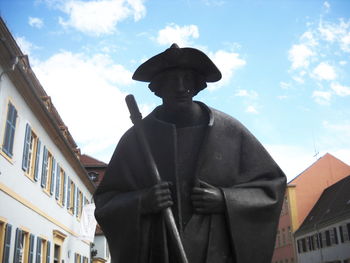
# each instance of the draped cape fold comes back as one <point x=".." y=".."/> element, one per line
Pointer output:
<point x="230" y="158"/>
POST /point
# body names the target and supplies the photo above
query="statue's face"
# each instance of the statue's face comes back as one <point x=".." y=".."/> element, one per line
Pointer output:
<point x="177" y="86"/>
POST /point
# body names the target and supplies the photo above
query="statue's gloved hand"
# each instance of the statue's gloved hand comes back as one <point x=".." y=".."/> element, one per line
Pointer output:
<point x="207" y="199"/>
<point x="156" y="198"/>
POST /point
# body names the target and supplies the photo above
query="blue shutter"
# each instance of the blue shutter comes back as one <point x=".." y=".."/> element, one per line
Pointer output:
<point x="10" y="130"/>
<point x="48" y="252"/>
<point x="58" y="182"/>
<point x="64" y="188"/>
<point x="6" y="255"/>
<point x="31" y="248"/>
<point x="68" y="192"/>
<point x="53" y="174"/>
<point x="18" y="242"/>
<point x="38" y="250"/>
<point x="44" y="168"/>
<point x="25" y="159"/>
<point x="36" y="171"/>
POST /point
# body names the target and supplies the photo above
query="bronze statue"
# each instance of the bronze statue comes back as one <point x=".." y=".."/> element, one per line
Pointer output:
<point x="224" y="189"/>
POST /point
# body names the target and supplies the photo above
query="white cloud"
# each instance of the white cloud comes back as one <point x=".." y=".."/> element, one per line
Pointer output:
<point x="282" y="97"/>
<point x="326" y="6"/>
<point x="340" y="90"/>
<point x="100" y="16"/>
<point x="26" y="46"/>
<point x="322" y="97"/>
<point x="283" y="154"/>
<point x="345" y="42"/>
<point x="324" y="71"/>
<point x="336" y="33"/>
<point x="309" y="39"/>
<point x="299" y="55"/>
<point x="245" y="93"/>
<point x="84" y="91"/>
<point x="228" y="63"/>
<point x="285" y="85"/>
<point x="35" y="22"/>
<point x="252" y="109"/>
<point x="182" y="35"/>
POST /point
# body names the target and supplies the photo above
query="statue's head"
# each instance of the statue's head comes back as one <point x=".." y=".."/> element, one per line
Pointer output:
<point x="188" y="66"/>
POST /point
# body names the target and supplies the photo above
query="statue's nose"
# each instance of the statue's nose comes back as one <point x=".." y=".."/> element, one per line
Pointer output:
<point x="180" y="85"/>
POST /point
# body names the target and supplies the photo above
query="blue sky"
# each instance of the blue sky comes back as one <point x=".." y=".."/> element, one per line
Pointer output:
<point x="284" y="66"/>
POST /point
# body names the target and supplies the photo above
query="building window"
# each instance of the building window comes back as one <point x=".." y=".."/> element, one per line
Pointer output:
<point x="57" y="254"/>
<point x="31" y="154"/>
<point x="336" y="241"/>
<point x="71" y="196"/>
<point x="320" y="240"/>
<point x="93" y="176"/>
<point x="48" y="171"/>
<point x="42" y="250"/>
<point x="24" y="245"/>
<point x="6" y="230"/>
<point x="328" y="238"/>
<point x="77" y="258"/>
<point x="5" y="241"/>
<point x="303" y="245"/>
<point x="61" y="182"/>
<point x="341" y="234"/>
<point x="299" y="246"/>
<point x="283" y="237"/>
<point x="79" y="203"/>
<point x="10" y="128"/>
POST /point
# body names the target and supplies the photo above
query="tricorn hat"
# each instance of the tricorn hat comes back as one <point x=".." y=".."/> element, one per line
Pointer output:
<point x="175" y="57"/>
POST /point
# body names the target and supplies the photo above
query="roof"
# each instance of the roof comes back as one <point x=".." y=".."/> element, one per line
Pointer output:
<point x="333" y="204"/>
<point x="89" y="161"/>
<point x="327" y="155"/>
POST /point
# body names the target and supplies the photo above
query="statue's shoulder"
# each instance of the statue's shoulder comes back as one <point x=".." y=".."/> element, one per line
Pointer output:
<point x="222" y="120"/>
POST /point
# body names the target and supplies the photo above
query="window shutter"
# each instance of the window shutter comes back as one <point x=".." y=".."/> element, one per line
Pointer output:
<point x="10" y="130"/>
<point x="31" y="248"/>
<point x="58" y="181"/>
<point x="68" y="192"/>
<point x="335" y="235"/>
<point x="44" y="169"/>
<point x="48" y="252"/>
<point x="6" y="256"/>
<point x="17" y="255"/>
<point x="26" y="146"/>
<point x="38" y="250"/>
<point x="76" y="200"/>
<point x="36" y="171"/>
<point x="64" y="188"/>
<point x="53" y="174"/>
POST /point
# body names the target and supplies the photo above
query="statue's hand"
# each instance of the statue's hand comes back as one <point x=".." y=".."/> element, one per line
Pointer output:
<point x="207" y="199"/>
<point x="156" y="198"/>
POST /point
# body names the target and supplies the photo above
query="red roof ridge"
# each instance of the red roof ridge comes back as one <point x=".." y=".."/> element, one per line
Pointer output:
<point x="88" y="160"/>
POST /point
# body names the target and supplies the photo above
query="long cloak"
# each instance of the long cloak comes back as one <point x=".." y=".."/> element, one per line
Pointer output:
<point x="230" y="158"/>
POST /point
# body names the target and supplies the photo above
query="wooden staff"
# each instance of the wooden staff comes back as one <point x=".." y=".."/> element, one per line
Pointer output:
<point x="136" y="118"/>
